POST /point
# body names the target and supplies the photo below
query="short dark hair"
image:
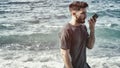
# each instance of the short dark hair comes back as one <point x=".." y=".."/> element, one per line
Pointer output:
<point x="77" y="5"/>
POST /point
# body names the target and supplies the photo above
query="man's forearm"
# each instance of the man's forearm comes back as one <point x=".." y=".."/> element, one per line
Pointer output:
<point x="67" y="60"/>
<point x="91" y="40"/>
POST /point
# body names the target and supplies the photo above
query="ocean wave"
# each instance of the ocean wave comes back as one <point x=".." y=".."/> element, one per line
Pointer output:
<point x="108" y="33"/>
<point x="113" y="13"/>
<point x="111" y="25"/>
<point x="27" y="31"/>
<point x="29" y="42"/>
<point x="18" y="2"/>
<point x="61" y="16"/>
<point x="6" y="27"/>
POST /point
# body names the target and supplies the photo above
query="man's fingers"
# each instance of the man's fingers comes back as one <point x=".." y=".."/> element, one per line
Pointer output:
<point x="93" y="20"/>
<point x="90" y="22"/>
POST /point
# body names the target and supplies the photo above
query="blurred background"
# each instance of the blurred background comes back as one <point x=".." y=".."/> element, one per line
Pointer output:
<point x="29" y="33"/>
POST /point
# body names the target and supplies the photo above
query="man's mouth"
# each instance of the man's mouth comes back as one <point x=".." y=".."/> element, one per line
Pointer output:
<point x="83" y="20"/>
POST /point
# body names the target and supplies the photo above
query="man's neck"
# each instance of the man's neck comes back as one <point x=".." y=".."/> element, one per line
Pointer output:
<point x="74" y="23"/>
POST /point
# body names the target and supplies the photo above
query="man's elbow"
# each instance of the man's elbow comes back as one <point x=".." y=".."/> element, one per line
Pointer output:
<point x="64" y="52"/>
<point x="90" y="47"/>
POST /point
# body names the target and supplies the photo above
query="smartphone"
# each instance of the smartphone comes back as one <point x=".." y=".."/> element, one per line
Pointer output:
<point x="95" y="16"/>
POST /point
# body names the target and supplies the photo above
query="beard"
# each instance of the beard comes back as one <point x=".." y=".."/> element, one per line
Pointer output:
<point x="82" y="21"/>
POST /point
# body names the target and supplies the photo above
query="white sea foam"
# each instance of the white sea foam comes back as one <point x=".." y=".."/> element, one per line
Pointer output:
<point x="24" y="0"/>
<point x="104" y="62"/>
<point x="49" y="59"/>
<point x="30" y="29"/>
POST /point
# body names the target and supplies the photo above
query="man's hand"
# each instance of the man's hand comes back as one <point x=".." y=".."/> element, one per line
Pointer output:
<point x="92" y="23"/>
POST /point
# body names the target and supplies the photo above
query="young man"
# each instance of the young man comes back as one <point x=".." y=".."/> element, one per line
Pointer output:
<point x="74" y="37"/>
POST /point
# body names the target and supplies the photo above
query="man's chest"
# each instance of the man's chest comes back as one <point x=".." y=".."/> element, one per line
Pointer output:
<point x="79" y="35"/>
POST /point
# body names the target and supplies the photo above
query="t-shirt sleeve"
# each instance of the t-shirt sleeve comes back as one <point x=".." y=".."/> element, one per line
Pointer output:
<point x="65" y="39"/>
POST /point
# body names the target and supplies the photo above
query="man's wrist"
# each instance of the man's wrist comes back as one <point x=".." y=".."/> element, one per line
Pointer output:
<point x="92" y="31"/>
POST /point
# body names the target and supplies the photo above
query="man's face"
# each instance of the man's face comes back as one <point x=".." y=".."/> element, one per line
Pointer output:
<point x="81" y="15"/>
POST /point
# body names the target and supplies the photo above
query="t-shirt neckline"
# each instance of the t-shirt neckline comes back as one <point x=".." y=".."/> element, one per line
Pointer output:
<point x="74" y="25"/>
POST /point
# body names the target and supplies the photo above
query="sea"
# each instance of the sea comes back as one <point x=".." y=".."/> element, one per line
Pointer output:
<point x="29" y="33"/>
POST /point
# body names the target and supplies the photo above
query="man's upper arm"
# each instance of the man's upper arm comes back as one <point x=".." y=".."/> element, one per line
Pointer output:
<point x="65" y="39"/>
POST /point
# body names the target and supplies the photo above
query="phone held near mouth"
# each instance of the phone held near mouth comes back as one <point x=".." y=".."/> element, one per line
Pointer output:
<point x="95" y="16"/>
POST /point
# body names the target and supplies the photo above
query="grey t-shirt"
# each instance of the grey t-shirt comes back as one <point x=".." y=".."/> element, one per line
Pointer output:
<point x="75" y="38"/>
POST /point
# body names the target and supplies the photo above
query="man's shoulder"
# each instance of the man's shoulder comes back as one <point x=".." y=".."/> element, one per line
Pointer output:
<point x="66" y="27"/>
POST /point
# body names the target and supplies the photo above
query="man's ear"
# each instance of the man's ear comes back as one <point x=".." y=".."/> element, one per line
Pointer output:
<point x="73" y="13"/>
